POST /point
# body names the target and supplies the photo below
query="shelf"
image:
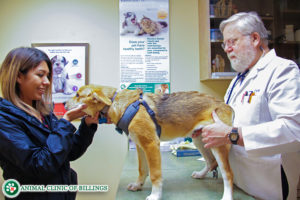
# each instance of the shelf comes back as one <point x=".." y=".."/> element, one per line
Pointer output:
<point x="266" y="18"/>
<point x="223" y="75"/>
<point x="289" y="43"/>
<point x="218" y="79"/>
<point x="218" y="17"/>
<point x="216" y="41"/>
<point x="290" y="11"/>
<point x="274" y="13"/>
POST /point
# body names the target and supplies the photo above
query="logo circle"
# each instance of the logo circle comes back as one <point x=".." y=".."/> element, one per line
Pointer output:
<point x="78" y="75"/>
<point x="75" y="88"/>
<point x="11" y="188"/>
<point x="123" y="86"/>
<point x="75" y="62"/>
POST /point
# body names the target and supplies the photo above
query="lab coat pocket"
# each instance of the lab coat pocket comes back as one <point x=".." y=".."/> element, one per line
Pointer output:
<point x="251" y="105"/>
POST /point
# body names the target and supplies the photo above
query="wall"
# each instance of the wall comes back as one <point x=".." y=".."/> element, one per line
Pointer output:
<point x="96" y="22"/>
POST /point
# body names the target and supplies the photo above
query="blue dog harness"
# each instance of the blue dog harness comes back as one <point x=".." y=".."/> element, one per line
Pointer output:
<point x="131" y="111"/>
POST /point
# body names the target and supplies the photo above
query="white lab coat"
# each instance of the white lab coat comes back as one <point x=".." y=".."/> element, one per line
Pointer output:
<point x="270" y="121"/>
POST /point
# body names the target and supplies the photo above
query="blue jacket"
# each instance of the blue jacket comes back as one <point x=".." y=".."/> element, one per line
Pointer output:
<point x="33" y="154"/>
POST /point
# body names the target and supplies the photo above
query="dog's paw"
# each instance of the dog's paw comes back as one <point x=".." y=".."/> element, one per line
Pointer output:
<point x="227" y="198"/>
<point x="199" y="174"/>
<point x="68" y="92"/>
<point x="134" y="187"/>
<point x="153" y="197"/>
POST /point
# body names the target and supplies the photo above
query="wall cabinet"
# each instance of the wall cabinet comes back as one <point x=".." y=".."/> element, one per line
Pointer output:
<point x="281" y="18"/>
<point x="287" y="27"/>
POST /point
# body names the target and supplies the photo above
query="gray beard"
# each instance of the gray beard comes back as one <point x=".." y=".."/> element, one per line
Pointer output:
<point x="243" y="60"/>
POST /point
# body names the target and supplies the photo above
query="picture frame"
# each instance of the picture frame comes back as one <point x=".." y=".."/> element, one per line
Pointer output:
<point x="70" y="65"/>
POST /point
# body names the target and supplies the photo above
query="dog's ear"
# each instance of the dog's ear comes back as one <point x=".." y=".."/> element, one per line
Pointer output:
<point x="53" y="59"/>
<point x="65" y="61"/>
<point x="101" y="97"/>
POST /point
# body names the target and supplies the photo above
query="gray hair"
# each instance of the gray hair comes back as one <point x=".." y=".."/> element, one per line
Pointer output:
<point x="247" y="23"/>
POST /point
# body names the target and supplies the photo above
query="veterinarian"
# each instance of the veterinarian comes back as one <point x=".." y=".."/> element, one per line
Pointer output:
<point x="265" y="96"/>
<point x="35" y="147"/>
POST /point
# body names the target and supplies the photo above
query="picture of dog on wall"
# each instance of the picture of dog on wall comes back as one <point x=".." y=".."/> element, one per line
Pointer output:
<point x="146" y="26"/>
<point x="61" y="81"/>
<point x="130" y="24"/>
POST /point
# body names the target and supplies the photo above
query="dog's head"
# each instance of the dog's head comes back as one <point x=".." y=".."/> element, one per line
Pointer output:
<point x="58" y="64"/>
<point x="93" y="96"/>
<point x="130" y="17"/>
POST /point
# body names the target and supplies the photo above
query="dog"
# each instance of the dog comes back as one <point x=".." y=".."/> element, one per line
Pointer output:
<point x="60" y="83"/>
<point x="178" y="114"/>
<point x="130" y="24"/>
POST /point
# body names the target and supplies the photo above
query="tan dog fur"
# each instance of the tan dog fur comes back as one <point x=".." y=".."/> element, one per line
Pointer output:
<point x="179" y="115"/>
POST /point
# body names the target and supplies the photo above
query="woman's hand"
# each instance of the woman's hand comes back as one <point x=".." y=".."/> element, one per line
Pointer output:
<point x="92" y="119"/>
<point x="75" y="113"/>
<point x="216" y="134"/>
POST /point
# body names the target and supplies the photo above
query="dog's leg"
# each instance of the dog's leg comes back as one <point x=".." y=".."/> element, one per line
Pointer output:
<point x="53" y="88"/>
<point x="67" y="87"/>
<point x="143" y="133"/>
<point x="210" y="161"/>
<point x="151" y="151"/>
<point x="124" y="32"/>
<point x="153" y="156"/>
<point x="222" y="154"/>
<point x="136" y="32"/>
<point x="143" y="171"/>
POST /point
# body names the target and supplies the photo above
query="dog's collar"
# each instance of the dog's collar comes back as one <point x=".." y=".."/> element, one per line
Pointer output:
<point x="113" y="98"/>
<point x="130" y="112"/>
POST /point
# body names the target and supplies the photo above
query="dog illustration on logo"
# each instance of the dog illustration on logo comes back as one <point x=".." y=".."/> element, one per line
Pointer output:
<point x="60" y="82"/>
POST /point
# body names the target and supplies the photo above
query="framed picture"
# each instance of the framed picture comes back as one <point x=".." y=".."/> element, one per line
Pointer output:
<point x="69" y="69"/>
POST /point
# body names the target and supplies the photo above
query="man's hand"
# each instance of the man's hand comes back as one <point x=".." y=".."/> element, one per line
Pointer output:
<point x="215" y="134"/>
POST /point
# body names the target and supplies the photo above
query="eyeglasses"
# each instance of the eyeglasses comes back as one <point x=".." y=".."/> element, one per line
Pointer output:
<point x="231" y="42"/>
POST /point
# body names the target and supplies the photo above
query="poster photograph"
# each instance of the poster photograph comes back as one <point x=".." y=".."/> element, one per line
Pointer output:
<point x="69" y="69"/>
<point x="144" y="45"/>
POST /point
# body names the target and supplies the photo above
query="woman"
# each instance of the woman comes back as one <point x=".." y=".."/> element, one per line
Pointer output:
<point x="35" y="147"/>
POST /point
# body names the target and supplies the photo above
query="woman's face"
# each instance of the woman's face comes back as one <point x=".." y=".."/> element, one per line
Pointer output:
<point x="34" y="84"/>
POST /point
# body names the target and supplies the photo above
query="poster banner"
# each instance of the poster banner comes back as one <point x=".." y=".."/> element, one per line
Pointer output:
<point x="69" y="65"/>
<point x="144" y="45"/>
